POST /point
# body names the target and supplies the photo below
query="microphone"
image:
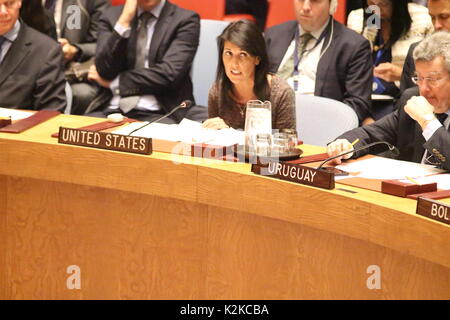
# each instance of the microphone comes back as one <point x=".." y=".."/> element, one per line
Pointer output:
<point x="391" y="147"/>
<point x="183" y="105"/>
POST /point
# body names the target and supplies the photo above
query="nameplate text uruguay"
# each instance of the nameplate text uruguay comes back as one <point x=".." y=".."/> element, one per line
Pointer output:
<point x="105" y="140"/>
<point x="434" y="210"/>
<point x="296" y="173"/>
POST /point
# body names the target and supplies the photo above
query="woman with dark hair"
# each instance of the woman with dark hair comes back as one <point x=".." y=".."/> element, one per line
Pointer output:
<point x="36" y="16"/>
<point x="242" y="75"/>
<point x="390" y="34"/>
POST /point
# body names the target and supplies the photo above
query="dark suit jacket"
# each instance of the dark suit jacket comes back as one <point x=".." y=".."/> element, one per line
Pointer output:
<point x="172" y="50"/>
<point x="345" y="71"/>
<point x="31" y="74"/>
<point x="85" y="37"/>
<point x="399" y="129"/>
<point x="409" y="70"/>
<point x="256" y="8"/>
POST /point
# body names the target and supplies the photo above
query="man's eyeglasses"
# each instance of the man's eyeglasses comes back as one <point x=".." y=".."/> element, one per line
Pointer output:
<point x="432" y="81"/>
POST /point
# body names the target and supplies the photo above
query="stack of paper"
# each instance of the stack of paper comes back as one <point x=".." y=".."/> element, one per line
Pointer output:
<point x="14" y="114"/>
<point x="187" y="131"/>
<point x="387" y="169"/>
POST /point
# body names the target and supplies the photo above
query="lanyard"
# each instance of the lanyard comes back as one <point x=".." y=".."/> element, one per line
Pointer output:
<point x="378" y="86"/>
<point x="380" y="51"/>
<point x="296" y="58"/>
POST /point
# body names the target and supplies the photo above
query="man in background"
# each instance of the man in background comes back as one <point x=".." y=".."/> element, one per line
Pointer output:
<point x="78" y="42"/>
<point x="144" y="56"/>
<point x="439" y="11"/>
<point x="419" y="127"/>
<point x="319" y="56"/>
<point x="31" y="75"/>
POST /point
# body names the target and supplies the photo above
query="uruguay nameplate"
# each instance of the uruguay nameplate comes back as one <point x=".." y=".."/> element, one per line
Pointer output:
<point x="105" y="140"/>
<point x="296" y="173"/>
<point x="434" y="210"/>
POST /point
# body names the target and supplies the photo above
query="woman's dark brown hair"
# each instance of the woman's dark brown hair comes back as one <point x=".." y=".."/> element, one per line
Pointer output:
<point x="246" y="35"/>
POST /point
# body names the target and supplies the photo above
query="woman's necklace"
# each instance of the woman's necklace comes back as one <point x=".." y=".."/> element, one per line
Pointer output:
<point x="241" y="108"/>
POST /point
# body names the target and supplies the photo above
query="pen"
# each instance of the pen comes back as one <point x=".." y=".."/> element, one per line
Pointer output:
<point x="412" y="180"/>
<point x="355" y="142"/>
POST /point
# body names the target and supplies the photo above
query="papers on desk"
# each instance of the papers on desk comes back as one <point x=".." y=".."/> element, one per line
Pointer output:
<point x="382" y="97"/>
<point x="14" y="114"/>
<point x="442" y="180"/>
<point x="187" y="131"/>
<point x="387" y="169"/>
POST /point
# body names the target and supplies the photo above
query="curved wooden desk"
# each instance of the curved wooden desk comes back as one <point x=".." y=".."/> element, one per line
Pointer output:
<point x="145" y="227"/>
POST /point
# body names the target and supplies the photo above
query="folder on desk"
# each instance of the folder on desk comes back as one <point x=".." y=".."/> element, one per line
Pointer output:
<point x="27" y="123"/>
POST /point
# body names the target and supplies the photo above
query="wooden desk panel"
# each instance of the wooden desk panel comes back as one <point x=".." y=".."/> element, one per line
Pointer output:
<point x="263" y="258"/>
<point x="127" y="245"/>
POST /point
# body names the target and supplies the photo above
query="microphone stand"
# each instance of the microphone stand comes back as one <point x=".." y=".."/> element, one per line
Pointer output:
<point x="391" y="147"/>
<point x="184" y="104"/>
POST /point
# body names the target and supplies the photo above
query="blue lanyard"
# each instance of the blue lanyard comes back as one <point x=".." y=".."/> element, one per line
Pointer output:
<point x="296" y="59"/>
<point x="379" y="88"/>
<point x="380" y="51"/>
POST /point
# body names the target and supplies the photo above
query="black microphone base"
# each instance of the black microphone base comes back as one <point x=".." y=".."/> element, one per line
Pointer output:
<point x="337" y="172"/>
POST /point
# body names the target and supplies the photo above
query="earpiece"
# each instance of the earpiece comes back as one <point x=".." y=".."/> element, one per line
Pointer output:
<point x="333" y="6"/>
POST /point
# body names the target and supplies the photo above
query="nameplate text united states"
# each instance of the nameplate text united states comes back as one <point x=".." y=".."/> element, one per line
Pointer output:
<point x="105" y="140"/>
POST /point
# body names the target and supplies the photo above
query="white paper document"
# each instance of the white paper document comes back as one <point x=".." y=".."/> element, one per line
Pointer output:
<point x="187" y="131"/>
<point x="387" y="169"/>
<point x="14" y="114"/>
<point x="442" y="180"/>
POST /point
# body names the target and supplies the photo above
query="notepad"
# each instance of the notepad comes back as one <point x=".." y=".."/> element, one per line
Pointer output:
<point x="14" y="114"/>
<point x="187" y="131"/>
<point x="387" y="169"/>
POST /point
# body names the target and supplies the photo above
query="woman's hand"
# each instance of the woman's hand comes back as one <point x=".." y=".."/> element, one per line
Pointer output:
<point x="215" y="124"/>
<point x="388" y="72"/>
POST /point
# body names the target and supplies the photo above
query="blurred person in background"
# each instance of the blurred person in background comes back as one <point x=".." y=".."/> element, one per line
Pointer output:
<point x="401" y="24"/>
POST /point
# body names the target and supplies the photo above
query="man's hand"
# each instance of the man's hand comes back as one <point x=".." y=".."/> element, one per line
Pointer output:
<point x="337" y="147"/>
<point x="68" y="50"/>
<point x="128" y="13"/>
<point x="420" y="110"/>
<point x="215" y="124"/>
<point x="367" y="121"/>
<point x="388" y="72"/>
<point x="94" y="76"/>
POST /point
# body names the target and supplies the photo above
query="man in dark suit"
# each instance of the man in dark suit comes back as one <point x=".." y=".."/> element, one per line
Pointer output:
<point x="439" y="11"/>
<point x="332" y="61"/>
<point x="420" y="126"/>
<point x="144" y="56"/>
<point x="77" y="23"/>
<point x="31" y="75"/>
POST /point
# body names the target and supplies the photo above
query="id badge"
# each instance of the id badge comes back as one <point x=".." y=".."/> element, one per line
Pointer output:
<point x="377" y="86"/>
<point x="294" y="82"/>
